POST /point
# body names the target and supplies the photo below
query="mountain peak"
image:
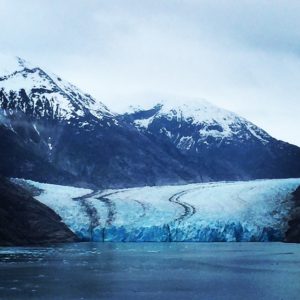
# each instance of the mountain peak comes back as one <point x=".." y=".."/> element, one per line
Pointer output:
<point x="196" y="123"/>
<point x="197" y="111"/>
<point x="29" y="88"/>
<point x="10" y="64"/>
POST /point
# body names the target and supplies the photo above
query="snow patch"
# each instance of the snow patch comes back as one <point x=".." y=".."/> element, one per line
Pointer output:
<point x="185" y="143"/>
<point x="144" y="123"/>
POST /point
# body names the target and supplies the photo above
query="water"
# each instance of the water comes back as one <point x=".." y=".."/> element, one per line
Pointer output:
<point x="169" y="271"/>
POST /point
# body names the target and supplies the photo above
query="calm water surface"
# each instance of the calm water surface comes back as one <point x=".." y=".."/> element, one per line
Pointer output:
<point x="152" y="271"/>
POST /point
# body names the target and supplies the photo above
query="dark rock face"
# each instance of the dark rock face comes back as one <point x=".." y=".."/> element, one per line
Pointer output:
<point x="26" y="221"/>
<point x="18" y="158"/>
<point x="100" y="154"/>
<point x="293" y="233"/>
<point x="119" y="156"/>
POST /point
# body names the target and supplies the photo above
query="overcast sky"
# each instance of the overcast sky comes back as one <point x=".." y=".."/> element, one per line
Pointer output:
<point x="240" y="55"/>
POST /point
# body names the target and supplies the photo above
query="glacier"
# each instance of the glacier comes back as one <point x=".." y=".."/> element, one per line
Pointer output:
<point x="255" y="210"/>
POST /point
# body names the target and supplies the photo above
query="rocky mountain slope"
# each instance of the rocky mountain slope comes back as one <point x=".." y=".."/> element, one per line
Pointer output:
<point x="293" y="232"/>
<point x="24" y="220"/>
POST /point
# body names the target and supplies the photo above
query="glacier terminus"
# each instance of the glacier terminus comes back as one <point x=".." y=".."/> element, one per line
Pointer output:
<point x="255" y="210"/>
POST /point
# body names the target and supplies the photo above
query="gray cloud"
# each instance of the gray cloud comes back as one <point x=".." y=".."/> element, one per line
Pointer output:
<point x="241" y="55"/>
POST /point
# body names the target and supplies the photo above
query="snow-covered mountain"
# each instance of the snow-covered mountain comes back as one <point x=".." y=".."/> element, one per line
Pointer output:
<point x="43" y="94"/>
<point x="219" y="143"/>
<point x="52" y="131"/>
<point x="194" y="125"/>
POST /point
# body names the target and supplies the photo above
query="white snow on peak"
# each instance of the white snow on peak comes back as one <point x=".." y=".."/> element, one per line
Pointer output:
<point x="97" y="108"/>
<point x="10" y="64"/>
<point x="197" y="111"/>
<point x="215" y="121"/>
<point x="17" y="74"/>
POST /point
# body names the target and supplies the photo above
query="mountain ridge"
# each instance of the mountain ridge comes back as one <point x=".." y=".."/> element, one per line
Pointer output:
<point x="74" y="135"/>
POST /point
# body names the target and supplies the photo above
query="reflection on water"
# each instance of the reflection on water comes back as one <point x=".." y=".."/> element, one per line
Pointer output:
<point x="151" y="271"/>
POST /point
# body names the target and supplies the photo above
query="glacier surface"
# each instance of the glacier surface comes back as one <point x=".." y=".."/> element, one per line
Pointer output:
<point x="221" y="211"/>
